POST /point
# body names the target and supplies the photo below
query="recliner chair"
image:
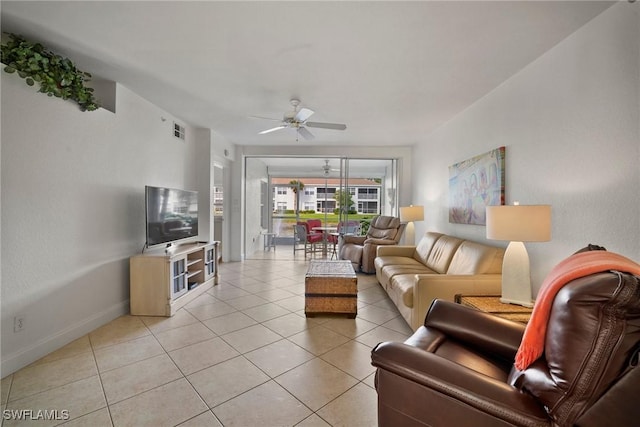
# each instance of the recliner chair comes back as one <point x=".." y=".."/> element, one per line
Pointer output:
<point x="344" y="228"/>
<point x="361" y="250"/>
<point x="458" y="369"/>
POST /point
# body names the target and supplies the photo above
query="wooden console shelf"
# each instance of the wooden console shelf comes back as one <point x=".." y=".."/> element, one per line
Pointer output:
<point x="161" y="283"/>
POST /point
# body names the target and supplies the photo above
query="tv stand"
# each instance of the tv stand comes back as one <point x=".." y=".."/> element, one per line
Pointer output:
<point x="163" y="281"/>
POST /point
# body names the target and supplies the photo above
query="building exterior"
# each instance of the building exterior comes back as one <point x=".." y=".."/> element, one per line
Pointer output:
<point x="319" y="195"/>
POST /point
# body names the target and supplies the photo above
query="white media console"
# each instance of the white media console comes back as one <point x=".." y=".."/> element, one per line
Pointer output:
<point x="162" y="281"/>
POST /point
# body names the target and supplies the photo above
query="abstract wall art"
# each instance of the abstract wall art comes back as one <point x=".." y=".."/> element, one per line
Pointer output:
<point x="475" y="184"/>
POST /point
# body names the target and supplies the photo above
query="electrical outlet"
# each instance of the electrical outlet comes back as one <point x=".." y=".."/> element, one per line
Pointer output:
<point x="18" y="323"/>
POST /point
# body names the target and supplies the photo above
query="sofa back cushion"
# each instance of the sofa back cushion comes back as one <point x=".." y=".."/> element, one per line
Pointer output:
<point x="442" y="253"/>
<point x="384" y="227"/>
<point x="476" y="258"/>
<point x="424" y="246"/>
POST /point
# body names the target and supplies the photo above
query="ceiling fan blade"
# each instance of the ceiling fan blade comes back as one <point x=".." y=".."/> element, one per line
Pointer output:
<point x="266" y="118"/>
<point x="305" y="133"/>
<point x="334" y="126"/>
<point x="271" y="130"/>
<point x="303" y="114"/>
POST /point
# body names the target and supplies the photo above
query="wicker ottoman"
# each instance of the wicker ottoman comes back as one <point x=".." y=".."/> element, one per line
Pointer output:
<point x="330" y="287"/>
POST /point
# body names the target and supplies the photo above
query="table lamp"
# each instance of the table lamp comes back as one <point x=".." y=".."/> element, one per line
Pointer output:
<point x="518" y="224"/>
<point x="409" y="214"/>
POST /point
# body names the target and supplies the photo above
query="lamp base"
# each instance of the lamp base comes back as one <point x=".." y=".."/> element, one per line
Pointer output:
<point x="410" y="234"/>
<point x="516" y="277"/>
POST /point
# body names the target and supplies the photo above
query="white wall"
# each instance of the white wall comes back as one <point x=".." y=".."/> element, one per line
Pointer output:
<point x="73" y="210"/>
<point x="222" y="157"/>
<point x="212" y="150"/>
<point x="569" y="122"/>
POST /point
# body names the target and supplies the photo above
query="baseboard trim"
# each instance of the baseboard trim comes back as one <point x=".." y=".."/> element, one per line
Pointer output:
<point x="23" y="357"/>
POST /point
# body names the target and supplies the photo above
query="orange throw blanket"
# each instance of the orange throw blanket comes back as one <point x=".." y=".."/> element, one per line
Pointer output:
<point x="576" y="266"/>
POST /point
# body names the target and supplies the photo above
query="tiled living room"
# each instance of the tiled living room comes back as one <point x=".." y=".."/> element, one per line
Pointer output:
<point x="241" y="354"/>
<point x="190" y="92"/>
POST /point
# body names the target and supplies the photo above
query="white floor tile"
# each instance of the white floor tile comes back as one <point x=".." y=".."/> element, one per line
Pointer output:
<point x="243" y="353"/>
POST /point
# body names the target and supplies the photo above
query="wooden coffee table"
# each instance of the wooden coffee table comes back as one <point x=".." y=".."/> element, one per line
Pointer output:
<point x="330" y="287"/>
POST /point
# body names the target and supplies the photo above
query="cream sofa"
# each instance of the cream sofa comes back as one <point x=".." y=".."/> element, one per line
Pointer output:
<point x="440" y="266"/>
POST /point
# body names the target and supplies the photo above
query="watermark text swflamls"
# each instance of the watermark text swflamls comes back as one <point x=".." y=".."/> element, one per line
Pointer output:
<point x="36" y="414"/>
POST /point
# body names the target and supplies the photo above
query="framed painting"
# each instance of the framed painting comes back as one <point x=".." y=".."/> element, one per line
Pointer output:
<point x="475" y="184"/>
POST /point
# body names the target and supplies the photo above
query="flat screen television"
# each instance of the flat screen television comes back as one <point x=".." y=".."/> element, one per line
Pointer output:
<point x="171" y="215"/>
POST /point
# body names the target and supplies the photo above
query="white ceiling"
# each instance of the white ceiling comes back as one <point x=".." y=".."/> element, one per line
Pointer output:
<point x="392" y="71"/>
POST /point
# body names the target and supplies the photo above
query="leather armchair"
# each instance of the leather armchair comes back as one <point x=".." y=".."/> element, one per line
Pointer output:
<point x="361" y="250"/>
<point x="344" y="228"/>
<point x="457" y="369"/>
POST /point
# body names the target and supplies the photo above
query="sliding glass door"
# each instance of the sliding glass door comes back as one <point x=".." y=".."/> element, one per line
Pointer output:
<point x="368" y="188"/>
<point x="282" y="190"/>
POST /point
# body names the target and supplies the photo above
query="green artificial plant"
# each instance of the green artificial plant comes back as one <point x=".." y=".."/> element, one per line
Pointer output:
<point x="57" y="76"/>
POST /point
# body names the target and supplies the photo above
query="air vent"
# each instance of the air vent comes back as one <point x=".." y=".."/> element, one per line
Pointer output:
<point x="178" y="131"/>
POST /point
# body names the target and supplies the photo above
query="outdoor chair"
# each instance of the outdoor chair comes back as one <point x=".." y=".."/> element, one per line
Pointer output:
<point x="304" y="240"/>
<point x="312" y="223"/>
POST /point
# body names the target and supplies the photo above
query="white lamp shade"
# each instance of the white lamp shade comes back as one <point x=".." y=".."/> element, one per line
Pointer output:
<point x="519" y="223"/>
<point x="412" y="213"/>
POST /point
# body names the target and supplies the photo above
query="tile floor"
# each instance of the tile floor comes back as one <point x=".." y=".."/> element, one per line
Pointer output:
<point x="242" y="354"/>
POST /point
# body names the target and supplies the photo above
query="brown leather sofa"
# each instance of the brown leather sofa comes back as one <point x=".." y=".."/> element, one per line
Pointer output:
<point x="457" y="369"/>
<point x="361" y="250"/>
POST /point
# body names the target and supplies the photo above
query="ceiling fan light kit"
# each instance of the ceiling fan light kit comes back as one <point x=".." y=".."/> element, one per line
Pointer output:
<point x="297" y="119"/>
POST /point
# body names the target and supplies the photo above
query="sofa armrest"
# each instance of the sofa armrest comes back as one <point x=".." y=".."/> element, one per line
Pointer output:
<point x="454" y="382"/>
<point x="428" y="287"/>
<point x="484" y="331"/>
<point x="372" y="241"/>
<point x="358" y="240"/>
<point x="396" y="250"/>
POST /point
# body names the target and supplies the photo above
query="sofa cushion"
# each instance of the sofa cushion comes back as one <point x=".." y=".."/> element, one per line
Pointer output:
<point x="382" y="233"/>
<point x="383" y="261"/>
<point x="402" y="286"/>
<point x="442" y="252"/>
<point x="475" y="258"/>
<point x="382" y="221"/>
<point x="424" y="246"/>
<point x="388" y="272"/>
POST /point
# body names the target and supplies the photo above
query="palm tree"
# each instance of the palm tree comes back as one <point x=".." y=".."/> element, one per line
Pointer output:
<point x="297" y="185"/>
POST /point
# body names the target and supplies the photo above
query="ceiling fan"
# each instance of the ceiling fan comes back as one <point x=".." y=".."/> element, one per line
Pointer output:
<point x="297" y="119"/>
<point x="326" y="169"/>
